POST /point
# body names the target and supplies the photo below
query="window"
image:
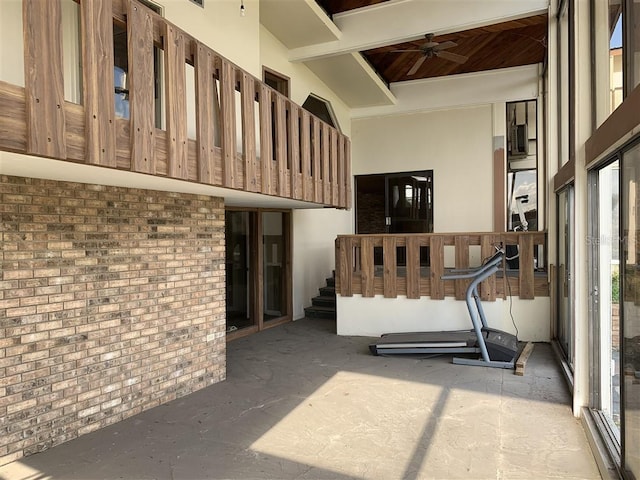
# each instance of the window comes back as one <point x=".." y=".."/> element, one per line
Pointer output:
<point x="321" y="108"/>
<point x="277" y="81"/>
<point x="121" y="69"/>
<point x="522" y="166"/>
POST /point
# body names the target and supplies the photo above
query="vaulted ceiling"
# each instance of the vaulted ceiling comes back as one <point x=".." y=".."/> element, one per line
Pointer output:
<point x="501" y="45"/>
<point x="364" y="49"/>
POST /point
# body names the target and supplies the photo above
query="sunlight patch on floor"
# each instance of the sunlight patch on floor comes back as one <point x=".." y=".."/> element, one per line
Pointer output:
<point x="328" y="429"/>
<point x="20" y="471"/>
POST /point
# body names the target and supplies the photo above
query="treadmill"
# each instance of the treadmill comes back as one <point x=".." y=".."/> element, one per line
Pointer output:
<point x="497" y="349"/>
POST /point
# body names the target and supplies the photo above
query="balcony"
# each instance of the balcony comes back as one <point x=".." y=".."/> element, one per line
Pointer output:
<point x="247" y="136"/>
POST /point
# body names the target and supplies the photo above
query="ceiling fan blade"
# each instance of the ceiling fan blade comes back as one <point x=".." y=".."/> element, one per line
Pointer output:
<point x="453" y="57"/>
<point x="416" y="65"/>
<point x="444" y="45"/>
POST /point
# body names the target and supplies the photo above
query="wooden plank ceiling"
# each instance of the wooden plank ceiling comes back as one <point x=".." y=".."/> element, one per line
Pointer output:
<point x="507" y="44"/>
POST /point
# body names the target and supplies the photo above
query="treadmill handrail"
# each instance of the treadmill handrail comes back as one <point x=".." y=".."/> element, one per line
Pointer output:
<point x="472" y="273"/>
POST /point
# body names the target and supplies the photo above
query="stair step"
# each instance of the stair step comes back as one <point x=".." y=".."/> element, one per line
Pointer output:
<point x="331" y="282"/>
<point x="324" y="301"/>
<point x="320" y="312"/>
<point x="328" y="291"/>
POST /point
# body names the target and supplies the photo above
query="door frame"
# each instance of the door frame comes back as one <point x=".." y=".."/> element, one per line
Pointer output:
<point x="256" y="280"/>
<point x="384" y="193"/>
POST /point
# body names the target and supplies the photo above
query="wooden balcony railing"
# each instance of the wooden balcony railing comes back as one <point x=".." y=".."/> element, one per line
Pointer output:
<point x="413" y="264"/>
<point x="279" y="148"/>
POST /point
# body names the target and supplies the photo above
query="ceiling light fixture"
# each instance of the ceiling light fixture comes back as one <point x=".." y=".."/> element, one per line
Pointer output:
<point x="242" y="11"/>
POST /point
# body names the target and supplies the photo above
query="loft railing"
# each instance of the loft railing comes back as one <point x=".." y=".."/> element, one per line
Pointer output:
<point x="247" y="136"/>
<point x="413" y="264"/>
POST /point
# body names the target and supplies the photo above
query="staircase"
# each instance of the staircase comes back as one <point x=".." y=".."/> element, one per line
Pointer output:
<point x="324" y="305"/>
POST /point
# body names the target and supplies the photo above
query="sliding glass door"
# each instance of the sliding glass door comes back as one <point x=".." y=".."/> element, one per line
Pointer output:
<point x="258" y="273"/>
<point x="629" y="357"/>
<point x="564" y="325"/>
<point x="607" y="294"/>
<point x="615" y="323"/>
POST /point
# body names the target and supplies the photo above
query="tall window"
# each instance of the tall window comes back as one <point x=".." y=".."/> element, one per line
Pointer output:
<point x="522" y="166"/>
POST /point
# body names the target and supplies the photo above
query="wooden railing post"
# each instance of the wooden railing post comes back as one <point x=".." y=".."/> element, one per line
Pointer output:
<point x="44" y="82"/>
<point x="249" y="133"/>
<point x="462" y="262"/>
<point x="436" y="254"/>
<point x="97" y="78"/>
<point x="315" y="158"/>
<point x="326" y="168"/>
<point x="141" y="88"/>
<point x="526" y="269"/>
<point x="413" y="266"/>
<point x="280" y="143"/>
<point x="345" y="267"/>
<point x="367" y="269"/>
<point x="390" y="265"/>
<point x="294" y="151"/>
<point x="205" y="111"/>
<point x="305" y="145"/>
<point x="228" y="120"/>
<point x="334" y="167"/>
<point x="176" y="99"/>
<point x="266" y="139"/>
<point x="488" y="287"/>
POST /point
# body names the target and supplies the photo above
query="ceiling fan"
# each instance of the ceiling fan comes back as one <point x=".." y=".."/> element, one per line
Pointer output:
<point x="434" y="49"/>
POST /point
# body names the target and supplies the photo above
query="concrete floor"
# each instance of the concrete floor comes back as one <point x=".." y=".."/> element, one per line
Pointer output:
<point x="303" y="403"/>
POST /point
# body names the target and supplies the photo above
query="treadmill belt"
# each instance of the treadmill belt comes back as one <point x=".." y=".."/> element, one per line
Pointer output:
<point x="463" y="338"/>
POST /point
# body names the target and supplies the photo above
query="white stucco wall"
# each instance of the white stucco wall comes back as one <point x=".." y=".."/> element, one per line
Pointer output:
<point x="314" y="234"/>
<point x="11" y="56"/>
<point x="378" y="315"/>
<point x="456" y="144"/>
<point x="220" y="26"/>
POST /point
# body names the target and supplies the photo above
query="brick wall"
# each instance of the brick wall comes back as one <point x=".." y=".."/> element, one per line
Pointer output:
<point x="111" y="302"/>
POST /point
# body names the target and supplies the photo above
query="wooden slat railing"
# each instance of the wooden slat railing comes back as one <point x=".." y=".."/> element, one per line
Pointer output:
<point x="271" y="145"/>
<point x="413" y="264"/>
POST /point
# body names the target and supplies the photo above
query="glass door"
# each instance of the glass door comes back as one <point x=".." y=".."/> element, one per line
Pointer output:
<point x="628" y="350"/>
<point x="238" y="263"/>
<point x="564" y="326"/>
<point x="608" y="293"/>
<point x="409" y="202"/>
<point x="274" y="241"/>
